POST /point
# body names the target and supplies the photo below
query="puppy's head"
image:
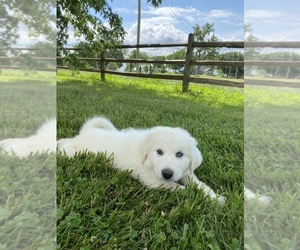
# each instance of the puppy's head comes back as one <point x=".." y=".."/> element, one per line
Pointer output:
<point x="171" y="153"/>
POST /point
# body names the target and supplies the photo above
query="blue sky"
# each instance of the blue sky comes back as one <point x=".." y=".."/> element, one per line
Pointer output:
<point x="174" y="20"/>
<point x="274" y="20"/>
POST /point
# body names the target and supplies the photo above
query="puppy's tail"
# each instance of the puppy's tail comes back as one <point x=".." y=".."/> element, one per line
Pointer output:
<point x="97" y="123"/>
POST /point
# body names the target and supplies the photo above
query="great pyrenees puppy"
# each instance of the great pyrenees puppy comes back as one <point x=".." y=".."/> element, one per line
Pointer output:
<point x="158" y="157"/>
<point x="44" y="140"/>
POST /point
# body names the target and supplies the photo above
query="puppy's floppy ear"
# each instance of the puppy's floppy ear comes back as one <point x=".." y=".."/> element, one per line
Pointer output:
<point x="196" y="159"/>
<point x="144" y="152"/>
<point x="144" y="157"/>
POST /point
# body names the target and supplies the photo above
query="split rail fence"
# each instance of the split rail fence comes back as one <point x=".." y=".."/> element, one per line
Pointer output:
<point x="188" y="62"/>
<point x="186" y="77"/>
<point x="269" y="81"/>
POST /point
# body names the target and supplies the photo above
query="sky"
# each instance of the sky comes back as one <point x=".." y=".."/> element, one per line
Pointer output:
<point x="173" y="20"/>
<point x="274" y="20"/>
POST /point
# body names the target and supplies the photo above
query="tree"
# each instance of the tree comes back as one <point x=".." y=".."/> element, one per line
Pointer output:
<point x="86" y="51"/>
<point x="112" y="66"/>
<point x="280" y="71"/>
<point x="37" y="15"/>
<point x="38" y="18"/>
<point x="132" y="55"/>
<point x="229" y="70"/>
<point x="250" y="53"/>
<point x="205" y="33"/>
<point x="178" y="54"/>
<point x="158" y="66"/>
<point x="146" y="69"/>
<point x="88" y="19"/>
<point x="93" y="21"/>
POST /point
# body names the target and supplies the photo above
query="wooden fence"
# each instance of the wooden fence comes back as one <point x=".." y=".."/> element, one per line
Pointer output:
<point x="186" y="78"/>
<point x="293" y="83"/>
<point x="32" y="62"/>
<point x="188" y="62"/>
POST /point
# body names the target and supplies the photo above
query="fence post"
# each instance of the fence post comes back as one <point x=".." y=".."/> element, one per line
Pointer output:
<point x="188" y="58"/>
<point x="102" y="65"/>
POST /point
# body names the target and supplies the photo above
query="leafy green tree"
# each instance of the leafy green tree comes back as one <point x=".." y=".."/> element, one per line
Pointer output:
<point x="280" y="71"/>
<point x="163" y="69"/>
<point x="205" y="33"/>
<point x="229" y="70"/>
<point x="158" y="66"/>
<point x="178" y="54"/>
<point x="113" y="66"/>
<point x="86" y="52"/>
<point x="132" y="55"/>
<point x="88" y="19"/>
<point x="94" y="21"/>
<point x="250" y="53"/>
<point x="115" y="53"/>
<point x="37" y="15"/>
<point x="146" y="69"/>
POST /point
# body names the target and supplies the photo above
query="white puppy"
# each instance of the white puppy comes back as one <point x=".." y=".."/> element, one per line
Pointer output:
<point x="158" y="157"/>
<point x="44" y="140"/>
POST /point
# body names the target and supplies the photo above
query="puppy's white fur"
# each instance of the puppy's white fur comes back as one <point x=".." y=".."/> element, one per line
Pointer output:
<point x="262" y="200"/>
<point x="44" y="140"/>
<point x="158" y="157"/>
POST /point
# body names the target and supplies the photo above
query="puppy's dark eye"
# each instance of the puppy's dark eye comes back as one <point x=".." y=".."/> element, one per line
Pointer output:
<point x="179" y="154"/>
<point x="159" y="151"/>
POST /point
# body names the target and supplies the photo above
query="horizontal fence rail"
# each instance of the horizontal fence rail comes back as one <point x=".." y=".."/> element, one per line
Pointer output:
<point x="273" y="44"/>
<point x="185" y="77"/>
<point x="187" y="62"/>
<point x="32" y="61"/>
<point x="290" y="83"/>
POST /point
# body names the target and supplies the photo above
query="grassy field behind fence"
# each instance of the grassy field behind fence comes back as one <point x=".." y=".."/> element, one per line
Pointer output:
<point x="100" y="208"/>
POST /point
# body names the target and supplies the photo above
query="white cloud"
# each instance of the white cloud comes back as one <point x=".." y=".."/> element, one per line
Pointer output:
<point x="172" y="12"/>
<point x="159" y="20"/>
<point x="163" y="24"/>
<point x="263" y="14"/>
<point x="25" y="40"/>
<point x="274" y="25"/>
<point x="220" y="14"/>
<point x="155" y="33"/>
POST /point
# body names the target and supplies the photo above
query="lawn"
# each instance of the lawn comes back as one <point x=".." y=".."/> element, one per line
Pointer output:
<point x="272" y="150"/>
<point x="27" y="186"/>
<point x="100" y="208"/>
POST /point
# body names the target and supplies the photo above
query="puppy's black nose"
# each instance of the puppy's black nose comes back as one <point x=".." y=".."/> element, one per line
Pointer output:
<point x="167" y="174"/>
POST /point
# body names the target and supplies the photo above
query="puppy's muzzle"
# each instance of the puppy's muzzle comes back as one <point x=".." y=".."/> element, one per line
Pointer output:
<point x="167" y="173"/>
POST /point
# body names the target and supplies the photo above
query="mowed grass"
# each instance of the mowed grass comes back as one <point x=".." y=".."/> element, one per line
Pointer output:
<point x="272" y="156"/>
<point x="100" y="208"/>
<point x="27" y="186"/>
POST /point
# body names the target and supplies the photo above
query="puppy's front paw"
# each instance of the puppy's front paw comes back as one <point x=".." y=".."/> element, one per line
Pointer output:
<point x="221" y="200"/>
<point x="264" y="200"/>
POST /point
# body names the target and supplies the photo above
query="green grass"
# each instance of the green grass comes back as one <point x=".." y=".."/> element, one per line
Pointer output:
<point x="27" y="186"/>
<point x="100" y="208"/>
<point x="272" y="149"/>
